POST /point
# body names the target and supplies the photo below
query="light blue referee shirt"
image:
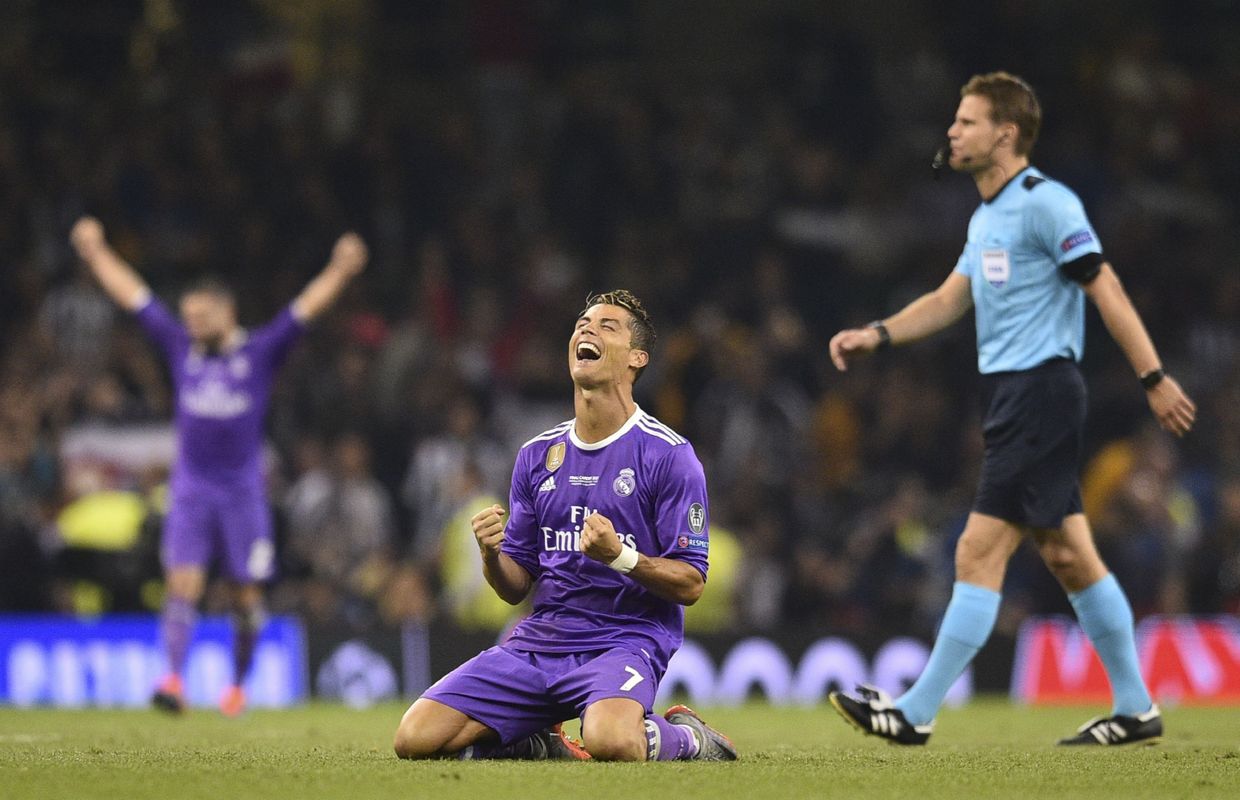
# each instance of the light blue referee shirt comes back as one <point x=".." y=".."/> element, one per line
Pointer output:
<point x="1027" y="311"/>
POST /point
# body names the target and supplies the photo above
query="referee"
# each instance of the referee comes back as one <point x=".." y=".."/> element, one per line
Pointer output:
<point x="1030" y="260"/>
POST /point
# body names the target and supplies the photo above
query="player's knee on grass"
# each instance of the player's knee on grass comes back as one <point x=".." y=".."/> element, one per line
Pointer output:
<point x="431" y="730"/>
<point x="614" y="739"/>
<point x="410" y="743"/>
<point x="413" y="743"/>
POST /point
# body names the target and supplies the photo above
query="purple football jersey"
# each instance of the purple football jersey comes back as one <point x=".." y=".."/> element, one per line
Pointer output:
<point x="647" y="480"/>
<point x="221" y="399"/>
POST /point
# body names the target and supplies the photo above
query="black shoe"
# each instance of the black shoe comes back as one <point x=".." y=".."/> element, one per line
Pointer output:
<point x="169" y="702"/>
<point x="873" y="713"/>
<point x="1120" y="729"/>
<point x="558" y="746"/>
<point x="712" y="745"/>
<point x="549" y="744"/>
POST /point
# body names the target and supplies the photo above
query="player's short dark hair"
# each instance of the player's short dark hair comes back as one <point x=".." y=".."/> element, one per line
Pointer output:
<point x="212" y="285"/>
<point x="1011" y="100"/>
<point x="642" y="335"/>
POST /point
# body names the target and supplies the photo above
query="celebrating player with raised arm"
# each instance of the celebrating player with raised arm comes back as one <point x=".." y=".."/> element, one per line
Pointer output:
<point x="1030" y="261"/>
<point x="222" y="376"/>
<point x="607" y="526"/>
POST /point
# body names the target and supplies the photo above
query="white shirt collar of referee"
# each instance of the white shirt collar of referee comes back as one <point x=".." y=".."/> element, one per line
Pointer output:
<point x="599" y="445"/>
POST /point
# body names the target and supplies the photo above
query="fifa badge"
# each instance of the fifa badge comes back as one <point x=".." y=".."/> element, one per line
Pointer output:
<point x="555" y="456"/>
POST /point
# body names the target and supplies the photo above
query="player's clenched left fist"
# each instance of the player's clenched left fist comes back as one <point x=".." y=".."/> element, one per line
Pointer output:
<point x="599" y="539"/>
<point x="488" y="525"/>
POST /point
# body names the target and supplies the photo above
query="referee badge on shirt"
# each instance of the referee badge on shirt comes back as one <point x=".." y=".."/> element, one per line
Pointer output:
<point x="555" y="456"/>
<point x="997" y="267"/>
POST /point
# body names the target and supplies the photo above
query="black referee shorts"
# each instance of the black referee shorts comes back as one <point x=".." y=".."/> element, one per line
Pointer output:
<point x="1033" y="428"/>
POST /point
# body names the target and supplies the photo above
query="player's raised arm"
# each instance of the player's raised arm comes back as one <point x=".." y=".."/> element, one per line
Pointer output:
<point x="508" y="578"/>
<point x="670" y="579"/>
<point x="928" y="314"/>
<point x="114" y="274"/>
<point x="1175" y="411"/>
<point x="348" y="258"/>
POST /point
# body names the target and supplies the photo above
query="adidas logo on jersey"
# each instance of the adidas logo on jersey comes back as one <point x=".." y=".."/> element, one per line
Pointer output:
<point x="548" y="485"/>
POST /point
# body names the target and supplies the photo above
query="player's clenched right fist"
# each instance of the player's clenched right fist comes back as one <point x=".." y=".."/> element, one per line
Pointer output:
<point x="489" y="529"/>
<point x="86" y="236"/>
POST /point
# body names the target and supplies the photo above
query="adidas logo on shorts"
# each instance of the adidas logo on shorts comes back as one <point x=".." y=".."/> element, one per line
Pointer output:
<point x="548" y="485"/>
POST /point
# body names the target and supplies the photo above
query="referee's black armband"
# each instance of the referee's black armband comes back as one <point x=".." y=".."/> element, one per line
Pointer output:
<point x="1083" y="270"/>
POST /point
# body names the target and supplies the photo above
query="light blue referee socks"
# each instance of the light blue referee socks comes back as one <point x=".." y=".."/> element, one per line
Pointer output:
<point x="967" y="623"/>
<point x="1106" y="618"/>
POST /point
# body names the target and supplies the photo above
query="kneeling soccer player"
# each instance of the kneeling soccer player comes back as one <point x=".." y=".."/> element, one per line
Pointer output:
<point x="608" y="528"/>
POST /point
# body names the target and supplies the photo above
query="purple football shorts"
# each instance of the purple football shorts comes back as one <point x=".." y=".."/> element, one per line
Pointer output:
<point x="516" y="693"/>
<point x="232" y="524"/>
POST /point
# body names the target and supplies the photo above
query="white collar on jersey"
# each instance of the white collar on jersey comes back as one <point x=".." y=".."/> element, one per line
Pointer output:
<point x="599" y="445"/>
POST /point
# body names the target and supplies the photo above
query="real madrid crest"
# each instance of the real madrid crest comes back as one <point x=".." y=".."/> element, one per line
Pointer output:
<point x="625" y="483"/>
<point x="555" y="456"/>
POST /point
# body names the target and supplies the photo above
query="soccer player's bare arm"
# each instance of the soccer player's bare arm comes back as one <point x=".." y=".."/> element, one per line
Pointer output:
<point x="1174" y="409"/>
<point x="348" y="259"/>
<point x="113" y="273"/>
<point x="508" y="578"/>
<point x="668" y="578"/>
<point x="928" y="314"/>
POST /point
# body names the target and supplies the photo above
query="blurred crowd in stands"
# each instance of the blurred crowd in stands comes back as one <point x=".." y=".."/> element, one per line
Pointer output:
<point x="757" y="173"/>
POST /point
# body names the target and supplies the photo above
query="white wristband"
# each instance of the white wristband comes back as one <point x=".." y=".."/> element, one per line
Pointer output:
<point x="624" y="562"/>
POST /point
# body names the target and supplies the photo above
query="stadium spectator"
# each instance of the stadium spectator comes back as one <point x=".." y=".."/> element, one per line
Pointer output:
<point x="453" y="554"/>
<point x="342" y="536"/>
<point x="430" y="489"/>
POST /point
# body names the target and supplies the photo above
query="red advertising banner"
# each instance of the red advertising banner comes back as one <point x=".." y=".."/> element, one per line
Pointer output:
<point x="1191" y="660"/>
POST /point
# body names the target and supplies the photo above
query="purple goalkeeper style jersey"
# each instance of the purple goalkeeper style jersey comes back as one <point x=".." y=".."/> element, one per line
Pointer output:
<point x="647" y="480"/>
<point x="221" y="398"/>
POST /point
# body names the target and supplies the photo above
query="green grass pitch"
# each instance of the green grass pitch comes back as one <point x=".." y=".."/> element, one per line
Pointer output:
<point x="989" y="749"/>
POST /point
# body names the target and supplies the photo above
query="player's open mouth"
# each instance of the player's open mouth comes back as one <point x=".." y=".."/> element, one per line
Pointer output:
<point x="588" y="351"/>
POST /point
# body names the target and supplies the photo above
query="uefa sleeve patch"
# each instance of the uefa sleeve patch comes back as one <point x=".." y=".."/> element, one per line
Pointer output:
<point x="697" y="518"/>
<point x="693" y="543"/>
<point x="1076" y="240"/>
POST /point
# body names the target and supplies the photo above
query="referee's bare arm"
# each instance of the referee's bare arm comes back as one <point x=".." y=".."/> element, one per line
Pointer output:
<point x="508" y="578"/>
<point x="927" y="315"/>
<point x="1174" y="409"/>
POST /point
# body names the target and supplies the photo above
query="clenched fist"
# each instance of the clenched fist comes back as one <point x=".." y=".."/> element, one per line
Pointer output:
<point x="488" y="527"/>
<point x="599" y="539"/>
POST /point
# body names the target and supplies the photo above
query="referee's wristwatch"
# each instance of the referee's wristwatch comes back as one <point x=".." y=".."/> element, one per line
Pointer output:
<point x="1152" y="378"/>
<point x="884" y="335"/>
